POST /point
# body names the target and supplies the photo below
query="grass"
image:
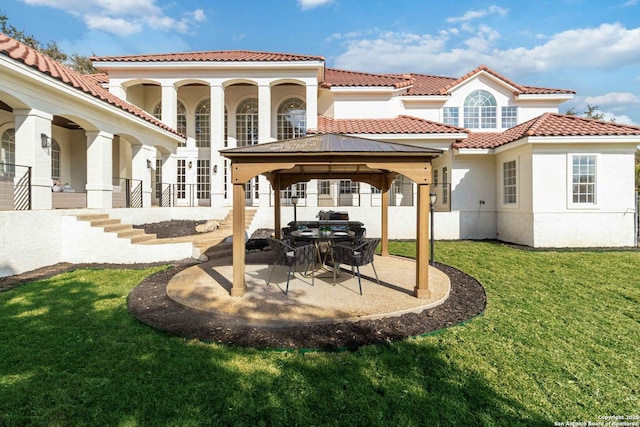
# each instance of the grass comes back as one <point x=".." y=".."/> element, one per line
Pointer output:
<point x="559" y="341"/>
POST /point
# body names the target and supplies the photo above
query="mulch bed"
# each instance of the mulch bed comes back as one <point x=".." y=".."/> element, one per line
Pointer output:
<point x="150" y="304"/>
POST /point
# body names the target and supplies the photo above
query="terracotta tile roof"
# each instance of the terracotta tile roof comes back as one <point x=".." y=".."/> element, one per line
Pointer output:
<point x="519" y="88"/>
<point x="342" y="78"/>
<point x="211" y="56"/>
<point x="398" y="125"/>
<point x="34" y="59"/>
<point x="421" y="84"/>
<point x="549" y="125"/>
<point x="100" y="78"/>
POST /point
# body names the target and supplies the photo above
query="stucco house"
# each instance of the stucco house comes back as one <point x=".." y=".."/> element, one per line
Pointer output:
<point x="141" y="141"/>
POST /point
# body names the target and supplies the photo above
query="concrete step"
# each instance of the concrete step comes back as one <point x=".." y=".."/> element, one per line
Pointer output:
<point x="117" y="227"/>
<point x="130" y="232"/>
<point x="104" y="222"/>
<point x="92" y="217"/>
<point x="143" y="238"/>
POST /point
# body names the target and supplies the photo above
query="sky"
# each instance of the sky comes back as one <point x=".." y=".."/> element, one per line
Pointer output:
<point x="592" y="47"/>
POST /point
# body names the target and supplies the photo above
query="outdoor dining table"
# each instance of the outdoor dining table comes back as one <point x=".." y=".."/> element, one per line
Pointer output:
<point x="318" y="236"/>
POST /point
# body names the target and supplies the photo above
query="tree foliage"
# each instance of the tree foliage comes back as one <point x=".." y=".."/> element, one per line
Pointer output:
<point x="76" y="62"/>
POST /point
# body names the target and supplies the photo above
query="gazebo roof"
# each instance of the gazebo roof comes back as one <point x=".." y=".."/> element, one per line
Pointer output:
<point x="331" y="144"/>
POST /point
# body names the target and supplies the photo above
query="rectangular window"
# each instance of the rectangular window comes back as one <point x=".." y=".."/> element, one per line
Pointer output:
<point x="450" y="116"/>
<point x="445" y="190"/>
<point x="324" y="187"/>
<point x="181" y="182"/>
<point x="158" y="177"/>
<point x="584" y="179"/>
<point x="204" y="180"/>
<point x="509" y="182"/>
<point x="349" y="187"/>
<point x="471" y="117"/>
<point x="509" y="117"/>
<point x="488" y="117"/>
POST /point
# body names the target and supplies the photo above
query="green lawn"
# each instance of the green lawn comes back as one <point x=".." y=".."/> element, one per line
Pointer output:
<point x="559" y="341"/>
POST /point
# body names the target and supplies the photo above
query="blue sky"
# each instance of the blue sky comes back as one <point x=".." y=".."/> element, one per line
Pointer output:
<point x="592" y="47"/>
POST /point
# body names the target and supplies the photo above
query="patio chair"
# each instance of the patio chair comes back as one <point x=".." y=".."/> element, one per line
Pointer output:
<point x="286" y="255"/>
<point x="356" y="255"/>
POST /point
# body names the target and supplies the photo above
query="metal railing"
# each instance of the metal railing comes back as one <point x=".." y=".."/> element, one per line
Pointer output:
<point x="15" y="187"/>
<point x="127" y="193"/>
<point x="187" y="195"/>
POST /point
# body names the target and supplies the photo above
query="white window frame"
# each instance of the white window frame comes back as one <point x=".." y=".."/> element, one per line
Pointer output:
<point x="480" y="110"/>
<point x="451" y="116"/>
<point x="203" y="124"/>
<point x="515" y="185"/>
<point x="503" y="116"/>
<point x="582" y="205"/>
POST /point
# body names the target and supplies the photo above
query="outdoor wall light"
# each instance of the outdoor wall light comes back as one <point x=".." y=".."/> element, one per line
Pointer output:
<point x="45" y="141"/>
<point x="215" y="169"/>
<point x="148" y="164"/>
<point x="190" y="165"/>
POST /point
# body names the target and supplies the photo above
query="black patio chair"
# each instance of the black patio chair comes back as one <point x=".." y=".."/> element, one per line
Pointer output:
<point x="286" y="255"/>
<point x="356" y="255"/>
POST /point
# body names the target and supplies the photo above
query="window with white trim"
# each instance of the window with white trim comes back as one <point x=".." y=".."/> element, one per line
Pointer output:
<point x="247" y="123"/>
<point x="181" y="179"/>
<point x="451" y="116"/>
<point x="204" y="179"/>
<point x="324" y="187"/>
<point x="158" y="176"/>
<point x="445" y="190"/>
<point x="8" y="153"/>
<point x="203" y="124"/>
<point x="509" y="117"/>
<point x="55" y="160"/>
<point x="509" y="183"/>
<point x="480" y="110"/>
<point x="292" y="119"/>
<point x="584" y="179"/>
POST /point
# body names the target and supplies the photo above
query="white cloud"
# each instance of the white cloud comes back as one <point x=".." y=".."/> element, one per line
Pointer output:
<point x="613" y="98"/>
<point x="124" y="17"/>
<point x="606" y="47"/>
<point x="310" y="4"/>
<point x="477" y="14"/>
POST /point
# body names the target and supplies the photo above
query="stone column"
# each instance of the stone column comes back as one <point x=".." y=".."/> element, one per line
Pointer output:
<point x="264" y="135"/>
<point x="312" y="105"/>
<point x="31" y="125"/>
<point x="141" y="168"/>
<point x="169" y="105"/>
<point x="217" y="143"/>
<point x="99" y="170"/>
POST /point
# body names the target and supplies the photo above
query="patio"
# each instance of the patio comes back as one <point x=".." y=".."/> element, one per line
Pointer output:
<point x="206" y="286"/>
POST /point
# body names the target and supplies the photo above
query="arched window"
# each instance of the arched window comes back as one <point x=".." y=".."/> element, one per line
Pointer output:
<point x="55" y="160"/>
<point x="247" y="122"/>
<point x="203" y="124"/>
<point x="181" y="117"/>
<point x="8" y="153"/>
<point x="480" y="110"/>
<point x="292" y="119"/>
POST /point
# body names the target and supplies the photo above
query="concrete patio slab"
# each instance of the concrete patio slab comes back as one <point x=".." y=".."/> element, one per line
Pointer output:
<point x="206" y="287"/>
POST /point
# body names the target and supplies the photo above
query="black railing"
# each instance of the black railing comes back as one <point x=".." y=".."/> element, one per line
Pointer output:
<point x="15" y="187"/>
<point x="127" y="193"/>
<point x="186" y="195"/>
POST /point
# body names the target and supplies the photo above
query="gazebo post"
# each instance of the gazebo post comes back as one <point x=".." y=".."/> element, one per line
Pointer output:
<point x="384" y="219"/>
<point x="277" y="220"/>
<point x="421" y="289"/>
<point x="239" y="287"/>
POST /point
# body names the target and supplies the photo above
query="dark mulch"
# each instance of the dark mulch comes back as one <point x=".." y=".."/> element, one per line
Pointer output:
<point x="173" y="228"/>
<point x="149" y="303"/>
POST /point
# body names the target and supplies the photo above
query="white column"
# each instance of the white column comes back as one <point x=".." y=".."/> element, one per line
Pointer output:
<point x="264" y="135"/>
<point x="312" y="105"/>
<point x="141" y="170"/>
<point x="117" y="90"/>
<point x="30" y="125"/>
<point x="169" y="173"/>
<point x="99" y="170"/>
<point x="217" y="143"/>
<point x="170" y="105"/>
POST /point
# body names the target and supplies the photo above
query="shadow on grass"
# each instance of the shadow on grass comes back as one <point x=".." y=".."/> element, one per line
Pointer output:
<point x="73" y="355"/>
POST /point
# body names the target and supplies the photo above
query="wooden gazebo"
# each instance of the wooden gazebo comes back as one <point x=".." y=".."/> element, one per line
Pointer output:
<point x="332" y="156"/>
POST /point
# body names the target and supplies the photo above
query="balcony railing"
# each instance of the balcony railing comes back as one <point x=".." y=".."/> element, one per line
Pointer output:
<point x="127" y="193"/>
<point x="15" y="187"/>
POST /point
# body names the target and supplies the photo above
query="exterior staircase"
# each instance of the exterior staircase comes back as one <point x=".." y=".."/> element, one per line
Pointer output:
<point x="216" y="243"/>
<point x="113" y="225"/>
